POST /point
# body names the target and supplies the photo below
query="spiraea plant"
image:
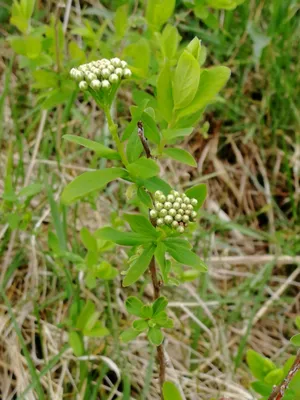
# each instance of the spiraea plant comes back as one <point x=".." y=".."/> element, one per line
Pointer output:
<point x="163" y="215"/>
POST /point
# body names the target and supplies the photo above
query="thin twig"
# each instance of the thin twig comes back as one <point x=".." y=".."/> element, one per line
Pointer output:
<point x="279" y="391"/>
<point x="143" y="139"/>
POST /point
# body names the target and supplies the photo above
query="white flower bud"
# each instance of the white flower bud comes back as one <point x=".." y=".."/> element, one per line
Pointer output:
<point x="105" y="73"/>
<point x="79" y="76"/>
<point x="105" y="84"/>
<point x="157" y="194"/>
<point x="172" y="212"/>
<point x="178" y="200"/>
<point x="159" y="222"/>
<point x="158" y="205"/>
<point x="119" y="71"/>
<point x="193" y="214"/>
<point x="153" y="213"/>
<point x="183" y="206"/>
<point x="180" y="229"/>
<point x="123" y="64"/>
<point x="73" y="72"/>
<point x="171" y="198"/>
<point x="110" y="68"/>
<point x="95" y="70"/>
<point x="176" y="205"/>
<point x="185" y="218"/>
<point x="113" y="78"/>
<point x="180" y="211"/>
<point x="127" y="73"/>
<point x="190" y="207"/>
<point x="96" y="84"/>
<point x="90" y="76"/>
<point x="168" y="219"/>
<point x="83" y="85"/>
<point x="175" y="224"/>
<point x="194" y="202"/>
<point x="162" y="198"/>
<point x="187" y="212"/>
<point x="168" y="205"/>
<point x="163" y="212"/>
<point x="116" y="62"/>
<point x="186" y="200"/>
<point x="178" y="217"/>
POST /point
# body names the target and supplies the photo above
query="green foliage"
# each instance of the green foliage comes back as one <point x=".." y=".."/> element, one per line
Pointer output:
<point x="170" y="392"/>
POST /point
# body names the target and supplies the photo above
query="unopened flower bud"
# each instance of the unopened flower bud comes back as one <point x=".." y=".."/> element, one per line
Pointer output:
<point x="194" y="202"/>
<point x="178" y="200"/>
<point x="127" y="73"/>
<point x="180" y="211"/>
<point x="187" y="212"/>
<point x="123" y="64"/>
<point x="185" y="218"/>
<point x="113" y="78"/>
<point x="180" y="229"/>
<point x="171" y="198"/>
<point x="96" y="84"/>
<point x="172" y="212"/>
<point x="118" y="71"/>
<point x="163" y="212"/>
<point x="162" y="198"/>
<point x="193" y="214"/>
<point x="178" y="217"/>
<point x="168" y="219"/>
<point x="186" y="200"/>
<point x="105" y="84"/>
<point x="158" y="205"/>
<point x="159" y="222"/>
<point x="116" y="62"/>
<point x="176" y="205"/>
<point x="168" y="205"/>
<point x="105" y="73"/>
<point x="83" y="85"/>
<point x="183" y="206"/>
<point x="175" y="224"/>
<point x="190" y="207"/>
<point x="157" y="194"/>
<point x="153" y="213"/>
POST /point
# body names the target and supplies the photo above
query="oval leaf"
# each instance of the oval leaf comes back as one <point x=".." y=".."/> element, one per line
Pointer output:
<point x="98" y="148"/>
<point x="181" y="155"/>
<point x="139" y="266"/>
<point x="170" y="392"/>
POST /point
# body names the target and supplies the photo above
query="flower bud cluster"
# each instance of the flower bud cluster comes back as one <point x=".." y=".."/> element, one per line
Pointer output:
<point x="101" y="74"/>
<point x="175" y="210"/>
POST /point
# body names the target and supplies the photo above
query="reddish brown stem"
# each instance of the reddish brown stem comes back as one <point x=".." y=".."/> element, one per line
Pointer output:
<point x="279" y="391"/>
<point x="160" y="349"/>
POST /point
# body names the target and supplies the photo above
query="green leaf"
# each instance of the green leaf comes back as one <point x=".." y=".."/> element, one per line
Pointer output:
<point x="139" y="266"/>
<point x="150" y="128"/>
<point x="140" y="325"/>
<point x="143" y="168"/>
<point x="56" y="97"/>
<point x="76" y="343"/>
<point x="141" y="225"/>
<point x="45" y="79"/>
<point x="194" y="47"/>
<point x="121" y="20"/>
<point x="134" y="306"/>
<point x="88" y="240"/>
<point x="158" y="12"/>
<point x="98" y="148"/>
<point x="86" y="313"/>
<point x="159" y="305"/>
<point x="176" y="241"/>
<point x="129" y="335"/>
<point x="199" y="192"/>
<point x="89" y="182"/>
<point x="134" y="147"/>
<point x="211" y="82"/>
<point x="186" y="80"/>
<point x="259" y="365"/>
<point x="262" y="388"/>
<point x="180" y="155"/>
<point x="30" y="190"/>
<point x="105" y="271"/>
<point x="185" y="256"/>
<point x="169" y="41"/>
<point x="98" y="330"/>
<point x="274" y="377"/>
<point x="155" y="183"/>
<point x="147" y="311"/>
<point x="297" y="321"/>
<point x="122" y="238"/>
<point x="170" y="134"/>
<point x="164" y="93"/>
<point x="170" y="392"/>
<point x="144" y="197"/>
<point x="161" y="260"/>
<point x="296" y="340"/>
<point x="139" y="65"/>
<point x="189" y="275"/>
<point x="155" y="336"/>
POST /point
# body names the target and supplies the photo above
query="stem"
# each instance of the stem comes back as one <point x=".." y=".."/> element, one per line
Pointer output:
<point x="114" y="132"/>
<point x="160" y="349"/>
<point x="279" y="391"/>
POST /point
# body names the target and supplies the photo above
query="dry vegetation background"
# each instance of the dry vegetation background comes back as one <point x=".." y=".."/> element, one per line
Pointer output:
<point x="248" y="232"/>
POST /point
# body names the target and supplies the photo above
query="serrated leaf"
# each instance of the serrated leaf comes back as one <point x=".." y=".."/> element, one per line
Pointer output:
<point x="180" y="155"/>
<point x="186" y="80"/>
<point x="98" y="148"/>
<point x="139" y="266"/>
<point x="89" y="182"/>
